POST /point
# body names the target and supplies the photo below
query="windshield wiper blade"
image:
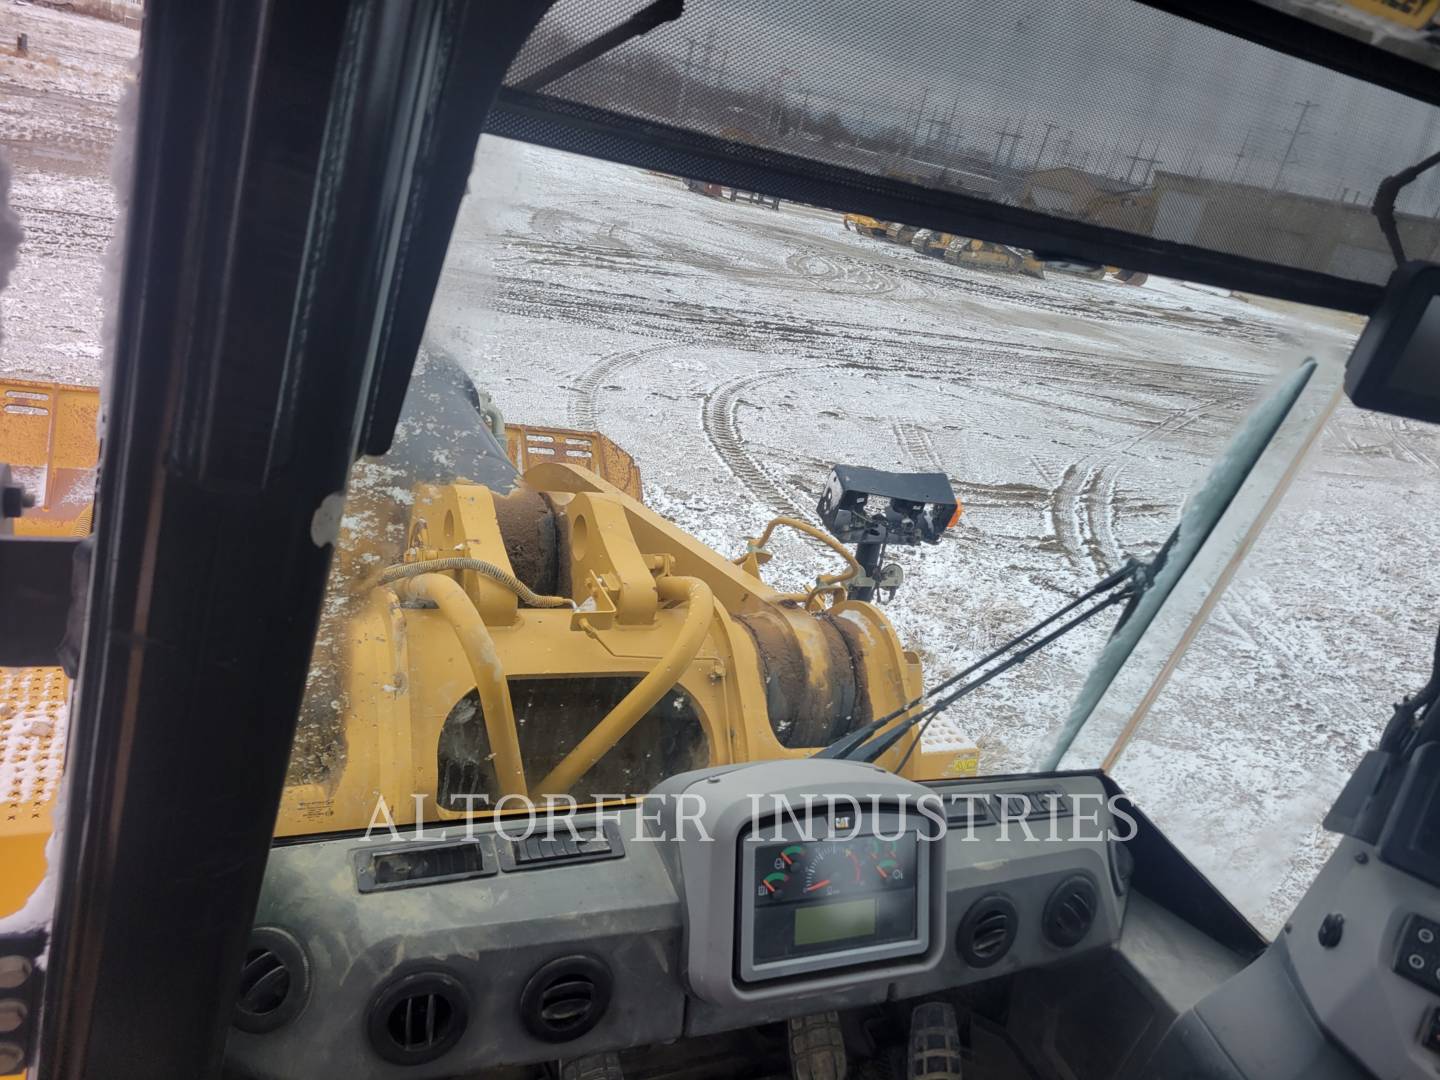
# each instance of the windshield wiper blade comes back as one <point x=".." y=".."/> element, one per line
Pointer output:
<point x="846" y="746"/>
<point x="642" y="22"/>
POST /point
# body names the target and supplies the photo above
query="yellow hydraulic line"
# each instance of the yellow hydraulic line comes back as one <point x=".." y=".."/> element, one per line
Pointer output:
<point x="853" y="568"/>
<point x="501" y="577"/>
<point x="700" y="608"/>
<point x="459" y="610"/>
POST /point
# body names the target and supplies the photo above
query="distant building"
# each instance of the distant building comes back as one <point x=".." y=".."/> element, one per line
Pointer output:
<point x="1325" y="235"/>
<point x="1066" y="191"/>
<point x="1303" y="231"/>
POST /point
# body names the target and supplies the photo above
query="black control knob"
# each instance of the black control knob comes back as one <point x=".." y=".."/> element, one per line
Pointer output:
<point x="1332" y="929"/>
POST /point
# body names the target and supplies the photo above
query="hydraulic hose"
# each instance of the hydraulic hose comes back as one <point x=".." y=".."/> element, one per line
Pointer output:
<point x="700" y="609"/>
<point x="501" y="577"/>
<point x="853" y="568"/>
<point x="479" y="648"/>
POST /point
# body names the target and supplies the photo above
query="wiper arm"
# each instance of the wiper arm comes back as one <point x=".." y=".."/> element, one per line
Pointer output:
<point x="850" y="746"/>
<point x="876" y="747"/>
<point x="642" y="22"/>
<point x="1416" y="720"/>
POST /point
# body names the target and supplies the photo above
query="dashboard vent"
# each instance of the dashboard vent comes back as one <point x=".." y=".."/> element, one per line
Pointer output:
<point x="987" y="931"/>
<point x="1070" y="911"/>
<point x="566" y="998"/>
<point x="405" y="865"/>
<point x="274" y="981"/>
<point x="418" y="1017"/>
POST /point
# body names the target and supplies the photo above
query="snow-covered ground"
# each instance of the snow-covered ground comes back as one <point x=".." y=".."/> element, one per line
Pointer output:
<point x="57" y="123"/>
<point x="737" y="352"/>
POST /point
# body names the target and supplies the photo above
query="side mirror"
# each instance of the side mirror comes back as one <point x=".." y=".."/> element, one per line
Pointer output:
<point x="1395" y="367"/>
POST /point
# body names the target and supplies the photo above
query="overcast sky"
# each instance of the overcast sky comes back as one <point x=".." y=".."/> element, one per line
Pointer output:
<point x="1110" y="70"/>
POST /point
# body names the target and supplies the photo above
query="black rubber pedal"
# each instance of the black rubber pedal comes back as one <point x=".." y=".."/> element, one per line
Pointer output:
<point x="817" y="1048"/>
<point x="934" y="1043"/>
<point x="593" y="1067"/>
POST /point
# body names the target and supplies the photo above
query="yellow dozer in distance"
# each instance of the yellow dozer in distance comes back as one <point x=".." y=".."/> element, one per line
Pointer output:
<point x="900" y="234"/>
<point x="979" y="254"/>
<point x="931" y="242"/>
<point x="866" y="226"/>
<point x="1127" y="277"/>
<point x="514" y="621"/>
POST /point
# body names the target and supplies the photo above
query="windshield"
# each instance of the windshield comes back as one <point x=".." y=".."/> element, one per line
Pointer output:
<point x="632" y="383"/>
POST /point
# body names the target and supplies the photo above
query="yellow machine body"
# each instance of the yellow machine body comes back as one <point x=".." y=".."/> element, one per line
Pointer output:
<point x="868" y="226"/>
<point x="1413" y="14"/>
<point x="930" y="242"/>
<point x="529" y="444"/>
<point x="897" y="233"/>
<point x="672" y="657"/>
<point x="48" y="438"/>
<point x="1134" y="278"/>
<point x="659" y="654"/>
<point x="983" y="255"/>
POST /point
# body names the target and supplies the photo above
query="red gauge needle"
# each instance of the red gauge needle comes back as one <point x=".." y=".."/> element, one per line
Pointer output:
<point x="881" y="871"/>
<point x="788" y="861"/>
<point x="817" y="885"/>
<point x="768" y="886"/>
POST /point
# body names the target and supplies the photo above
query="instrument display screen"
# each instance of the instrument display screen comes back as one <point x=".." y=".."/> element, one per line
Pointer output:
<point x="836" y="901"/>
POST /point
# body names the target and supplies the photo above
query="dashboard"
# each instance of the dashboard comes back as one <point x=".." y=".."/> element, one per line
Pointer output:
<point x="733" y="896"/>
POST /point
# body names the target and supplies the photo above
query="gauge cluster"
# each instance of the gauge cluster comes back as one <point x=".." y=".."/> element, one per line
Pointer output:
<point x="831" y="897"/>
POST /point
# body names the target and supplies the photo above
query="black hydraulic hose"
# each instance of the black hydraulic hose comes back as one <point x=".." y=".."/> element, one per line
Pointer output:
<point x="1424" y="705"/>
<point x="872" y="750"/>
<point x="842" y="747"/>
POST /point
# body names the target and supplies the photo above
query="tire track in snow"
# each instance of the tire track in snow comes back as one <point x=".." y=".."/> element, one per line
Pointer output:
<point x="1082" y="515"/>
<point x="841" y="276"/>
<point x="1098" y="506"/>
<point x="1064" y="516"/>
<point x="717" y="417"/>
<point x="584" y="406"/>
<point x="1399" y="434"/>
<point x="917" y="445"/>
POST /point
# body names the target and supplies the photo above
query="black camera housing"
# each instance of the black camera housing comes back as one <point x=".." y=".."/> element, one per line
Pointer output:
<point x="1395" y="366"/>
<point x="860" y="505"/>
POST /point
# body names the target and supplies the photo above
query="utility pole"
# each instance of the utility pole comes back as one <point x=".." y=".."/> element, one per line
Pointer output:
<point x="1040" y="154"/>
<point x="685" y="77"/>
<point x="804" y="112"/>
<point x="776" y="114"/>
<point x="1014" y="145"/>
<point x="1149" y="162"/>
<point x="1067" y="142"/>
<point x="1241" y="154"/>
<point x="711" y="62"/>
<point x="1013" y="137"/>
<point x="915" y="130"/>
<point x="1295" y="133"/>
